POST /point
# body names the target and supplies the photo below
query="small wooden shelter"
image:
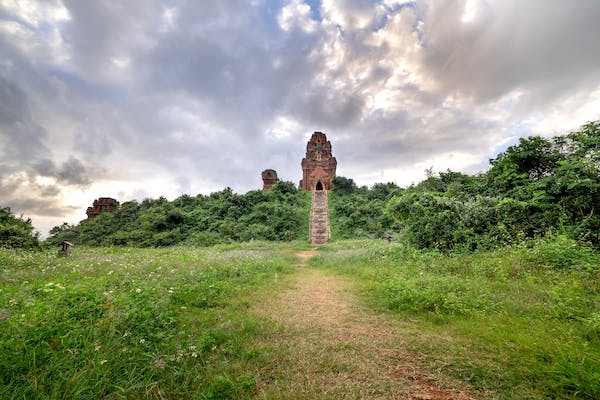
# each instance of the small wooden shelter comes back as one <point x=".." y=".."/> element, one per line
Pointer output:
<point x="65" y="248"/>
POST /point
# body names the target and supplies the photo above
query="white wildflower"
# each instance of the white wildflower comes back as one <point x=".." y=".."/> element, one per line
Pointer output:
<point x="142" y="341"/>
<point x="138" y="290"/>
<point x="13" y="302"/>
<point x="103" y="362"/>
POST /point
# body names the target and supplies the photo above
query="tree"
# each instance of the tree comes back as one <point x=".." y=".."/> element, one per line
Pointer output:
<point x="17" y="233"/>
<point x="343" y="185"/>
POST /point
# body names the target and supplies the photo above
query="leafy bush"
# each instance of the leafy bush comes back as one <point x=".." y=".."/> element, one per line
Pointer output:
<point x="17" y="233"/>
<point x="534" y="188"/>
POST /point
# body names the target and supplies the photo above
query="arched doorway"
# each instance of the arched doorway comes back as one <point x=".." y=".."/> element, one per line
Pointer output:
<point x="319" y="186"/>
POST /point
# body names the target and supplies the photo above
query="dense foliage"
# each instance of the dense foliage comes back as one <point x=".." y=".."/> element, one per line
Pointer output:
<point x="16" y="233"/>
<point x="536" y="187"/>
<point x="359" y="212"/>
<point x="280" y="214"/>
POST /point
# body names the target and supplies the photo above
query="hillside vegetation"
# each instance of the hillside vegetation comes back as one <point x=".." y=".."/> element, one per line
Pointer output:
<point x="280" y="214"/>
<point x="16" y="232"/>
<point x="535" y="188"/>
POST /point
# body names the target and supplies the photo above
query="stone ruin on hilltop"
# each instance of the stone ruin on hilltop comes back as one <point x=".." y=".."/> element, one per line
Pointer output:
<point x="269" y="177"/>
<point x="318" y="167"/>
<point x="103" y="204"/>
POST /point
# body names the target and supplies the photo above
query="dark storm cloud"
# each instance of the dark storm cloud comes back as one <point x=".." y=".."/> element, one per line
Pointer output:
<point x="43" y="207"/>
<point x="100" y="32"/>
<point x="44" y="167"/>
<point x="87" y="140"/>
<point x="234" y="64"/>
<point x="325" y="108"/>
<point x="402" y="142"/>
<point x="73" y="172"/>
<point x="21" y="136"/>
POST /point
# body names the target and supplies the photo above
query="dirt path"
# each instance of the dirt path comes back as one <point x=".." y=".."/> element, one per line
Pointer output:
<point x="330" y="347"/>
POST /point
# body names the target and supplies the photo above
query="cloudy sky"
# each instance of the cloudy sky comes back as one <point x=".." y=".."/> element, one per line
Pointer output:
<point x="137" y="99"/>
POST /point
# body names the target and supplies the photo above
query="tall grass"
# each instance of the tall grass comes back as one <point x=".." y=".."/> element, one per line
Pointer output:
<point x="520" y="322"/>
<point x="130" y="323"/>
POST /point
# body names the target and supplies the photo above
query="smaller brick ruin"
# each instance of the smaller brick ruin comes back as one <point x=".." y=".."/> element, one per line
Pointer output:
<point x="103" y="204"/>
<point x="269" y="177"/>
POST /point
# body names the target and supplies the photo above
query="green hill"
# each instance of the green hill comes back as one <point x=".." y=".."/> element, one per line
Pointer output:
<point x="280" y="214"/>
<point x="535" y="188"/>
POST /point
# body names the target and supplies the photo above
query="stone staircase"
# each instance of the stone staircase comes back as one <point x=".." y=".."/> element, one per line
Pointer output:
<point x="319" y="218"/>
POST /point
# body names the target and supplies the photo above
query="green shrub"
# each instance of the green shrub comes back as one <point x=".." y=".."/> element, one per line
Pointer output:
<point x="17" y="233"/>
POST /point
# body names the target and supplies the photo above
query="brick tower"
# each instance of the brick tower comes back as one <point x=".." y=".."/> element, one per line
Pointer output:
<point x="103" y="204"/>
<point x="318" y="167"/>
<point x="269" y="177"/>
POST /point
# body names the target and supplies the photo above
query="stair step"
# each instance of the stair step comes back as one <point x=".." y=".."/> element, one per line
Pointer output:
<point x="319" y="218"/>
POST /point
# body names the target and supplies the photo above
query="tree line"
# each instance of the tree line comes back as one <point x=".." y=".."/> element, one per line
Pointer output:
<point x="279" y="214"/>
<point x="537" y="187"/>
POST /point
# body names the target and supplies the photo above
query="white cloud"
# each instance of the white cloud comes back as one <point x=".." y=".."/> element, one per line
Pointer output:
<point x="296" y="15"/>
<point x="36" y="13"/>
<point x="349" y="14"/>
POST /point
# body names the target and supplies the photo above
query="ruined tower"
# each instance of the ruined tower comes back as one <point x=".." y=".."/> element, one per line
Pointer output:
<point x="318" y="167"/>
<point x="269" y="177"/>
<point x="103" y="204"/>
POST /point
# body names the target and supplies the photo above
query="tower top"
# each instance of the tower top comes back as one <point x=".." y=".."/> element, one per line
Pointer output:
<point x="318" y="167"/>
<point x="269" y="177"/>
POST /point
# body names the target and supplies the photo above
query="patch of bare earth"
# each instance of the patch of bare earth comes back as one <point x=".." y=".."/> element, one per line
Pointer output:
<point x="328" y="346"/>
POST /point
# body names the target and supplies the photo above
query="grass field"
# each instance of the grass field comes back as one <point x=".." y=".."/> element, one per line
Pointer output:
<point x="131" y="323"/>
<point x="519" y="323"/>
<point x="182" y="322"/>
